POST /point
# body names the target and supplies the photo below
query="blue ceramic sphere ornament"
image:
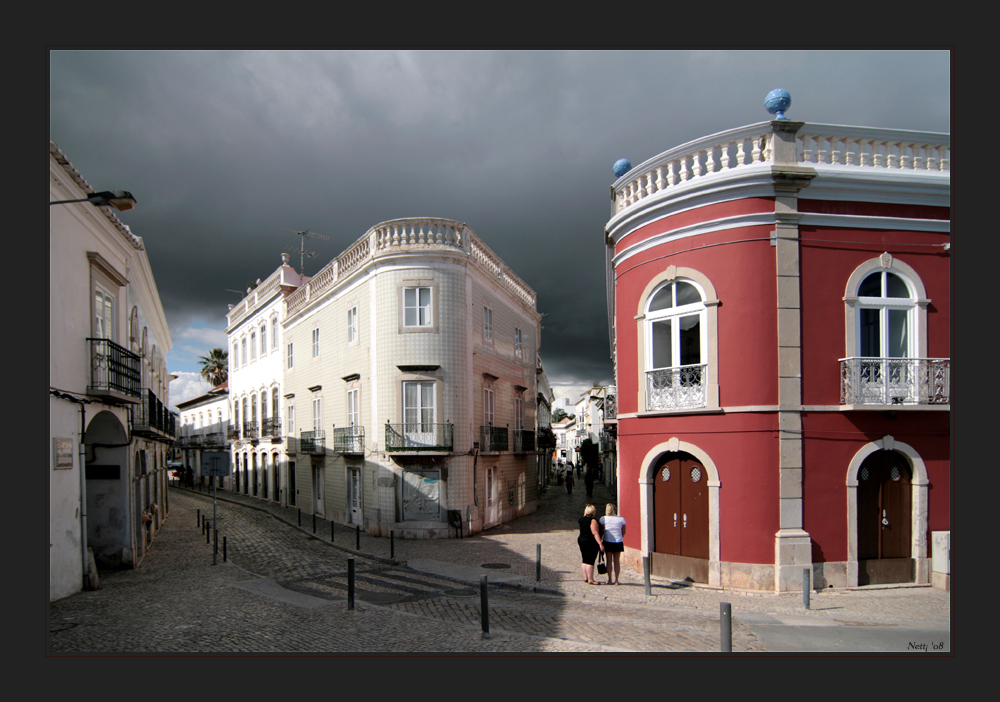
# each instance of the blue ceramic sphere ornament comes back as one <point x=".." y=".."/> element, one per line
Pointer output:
<point x="621" y="167"/>
<point x="777" y="101"/>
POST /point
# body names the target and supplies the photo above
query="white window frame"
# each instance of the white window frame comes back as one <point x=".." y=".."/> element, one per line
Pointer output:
<point x="243" y="350"/>
<point x="105" y="303"/>
<point x="518" y="342"/>
<point x="290" y="413"/>
<point x="518" y="414"/>
<point x="487" y="324"/>
<point x="489" y="407"/>
<point x="263" y="339"/>
<point x="352" y="324"/>
<point x="315" y="342"/>
<point x="354" y="407"/>
<point x="291" y="357"/>
<point x="253" y="346"/>
<point x="422" y="314"/>
<point x="317" y="407"/>
<point x="274" y="333"/>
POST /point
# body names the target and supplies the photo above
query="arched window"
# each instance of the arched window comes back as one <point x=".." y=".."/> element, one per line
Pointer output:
<point x="886" y="339"/>
<point x="675" y="347"/>
<point x="678" y="342"/>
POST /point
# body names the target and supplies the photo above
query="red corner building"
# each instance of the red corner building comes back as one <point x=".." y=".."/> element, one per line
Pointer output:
<point x="780" y="310"/>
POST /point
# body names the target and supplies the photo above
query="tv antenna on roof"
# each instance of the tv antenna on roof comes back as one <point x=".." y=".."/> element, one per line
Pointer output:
<point x="302" y="249"/>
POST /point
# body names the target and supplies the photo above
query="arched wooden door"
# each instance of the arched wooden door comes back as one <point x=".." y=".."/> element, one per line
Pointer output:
<point x="680" y="518"/>
<point x="884" y="517"/>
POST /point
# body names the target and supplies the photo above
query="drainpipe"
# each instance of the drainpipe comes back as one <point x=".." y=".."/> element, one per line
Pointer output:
<point x="83" y="497"/>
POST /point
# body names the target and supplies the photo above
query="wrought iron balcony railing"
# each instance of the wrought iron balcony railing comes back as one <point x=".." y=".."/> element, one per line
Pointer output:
<point x="493" y="439"/>
<point x="152" y="418"/>
<point x="250" y="430"/>
<point x="524" y="441"/>
<point x="419" y="437"/>
<point x="232" y="433"/>
<point x="313" y="441"/>
<point x="895" y="381"/>
<point x="546" y="438"/>
<point x="114" y="371"/>
<point x="213" y="439"/>
<point x="611" y="407"/>
<point x="270" y="427"/>
<point x="675" y="388"/>
<point x="349" y="439"/>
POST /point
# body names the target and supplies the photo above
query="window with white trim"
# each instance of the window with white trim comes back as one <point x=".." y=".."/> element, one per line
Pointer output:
<point x="418" y="403"/>
<point x="274" y="333"/>
<point x="676" y="347"/>
<point x="290" y="413"/>
<point x="243" y="347"/>
<point x="352" y="324"/>
<point x="290" y="356"/>
<point x="317" y="405"/>
<point x="488" y="407"/>
<point x="104" y="314"/>
<point x="886" y="306"/>
<point x="517" y="343"/>
<point x="263" y="339"/>
<point x="353" y="407"/>
<point x="417" y="310"/>
<point x="274" y="402"/>
<point x="487" y="324"/>
<point x="518" y="414"/>
<point x="315" y="342"/>
<point x="253" y="346"/>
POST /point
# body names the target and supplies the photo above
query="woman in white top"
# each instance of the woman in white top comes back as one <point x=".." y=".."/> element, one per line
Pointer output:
<point x="614" y="540"/>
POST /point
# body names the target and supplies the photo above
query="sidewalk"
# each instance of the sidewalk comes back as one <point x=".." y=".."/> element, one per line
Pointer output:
<point x="509" y="553"/>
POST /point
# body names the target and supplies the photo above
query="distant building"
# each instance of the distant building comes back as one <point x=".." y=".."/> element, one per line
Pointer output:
<point x="109" y="426"/>
<point x="204" y="425"/>
<point x="780" y="316"/>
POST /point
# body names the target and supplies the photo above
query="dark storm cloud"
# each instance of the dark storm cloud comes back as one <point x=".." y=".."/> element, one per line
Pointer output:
<point x="224" y="149"/>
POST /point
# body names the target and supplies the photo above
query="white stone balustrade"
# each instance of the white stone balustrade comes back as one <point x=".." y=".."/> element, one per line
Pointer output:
<point x="256" y="297"/>
<point x="817" y="145"/>
<point x="404" y="235"/>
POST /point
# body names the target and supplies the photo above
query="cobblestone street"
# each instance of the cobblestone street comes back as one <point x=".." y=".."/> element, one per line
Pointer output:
<point x="284" y="589"/>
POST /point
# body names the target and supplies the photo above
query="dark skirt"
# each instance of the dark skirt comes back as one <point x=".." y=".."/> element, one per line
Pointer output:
<point x="588" y="550"/>
<point x="614" y="547"/>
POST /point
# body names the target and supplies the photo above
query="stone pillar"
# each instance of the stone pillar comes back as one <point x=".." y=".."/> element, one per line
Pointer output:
<point x="792" y="544"/>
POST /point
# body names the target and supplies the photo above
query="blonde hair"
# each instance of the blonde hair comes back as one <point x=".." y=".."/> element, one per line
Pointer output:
<point x="610" y="509"/>
<point x="589" y="511"/>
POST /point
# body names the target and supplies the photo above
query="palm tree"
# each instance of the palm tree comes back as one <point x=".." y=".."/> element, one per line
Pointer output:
<point x="215" y="366"/>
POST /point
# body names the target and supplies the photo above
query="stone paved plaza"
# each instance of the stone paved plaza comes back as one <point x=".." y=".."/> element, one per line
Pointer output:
<point x="282" y="589"/>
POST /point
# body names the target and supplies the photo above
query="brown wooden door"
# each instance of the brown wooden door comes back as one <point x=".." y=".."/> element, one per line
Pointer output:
<point x="884" y="514"/>
<point x="680" y="518"/>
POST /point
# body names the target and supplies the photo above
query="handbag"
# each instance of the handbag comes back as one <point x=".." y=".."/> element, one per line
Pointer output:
<point x="602" y="568"/>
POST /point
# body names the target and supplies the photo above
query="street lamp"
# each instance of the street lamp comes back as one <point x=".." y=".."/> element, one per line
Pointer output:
<point x="121" y="200"/>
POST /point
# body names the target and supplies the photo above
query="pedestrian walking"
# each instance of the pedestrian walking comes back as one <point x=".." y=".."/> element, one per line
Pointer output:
<point x="589" y="542"/>
<point x="588" y="480"/>
<point x="569" y="481"/>
<point x="579" y="467"/>
<point x="614" y="540"/>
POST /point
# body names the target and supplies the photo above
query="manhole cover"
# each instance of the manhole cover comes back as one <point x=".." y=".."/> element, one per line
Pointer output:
<point x="496" y="565"/>
<point x="381" y="597"/>
<point x="460" y="593"/>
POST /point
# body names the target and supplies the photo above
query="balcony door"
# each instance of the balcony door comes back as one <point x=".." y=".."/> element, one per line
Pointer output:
<point x="419" y="413"/>
<point x="492" y="516"/>
<point x="886" y="310"/>
<point x="317" y="484"/>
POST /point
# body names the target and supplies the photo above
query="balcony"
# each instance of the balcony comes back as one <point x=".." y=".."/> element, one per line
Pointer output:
<point x="675" y="388"/>
<point x="610" y="407"/>
<point x="524" y="441"/>
<point x="213" y="439"/>
<point x="250" y="430"/>
<point x="115" y="372"/>
<point x="349" y="440"/>
<point x="270" y="428"/>
<point x="419" y="437"/>
<point x="895" y="382"/>
<point x="151" y="418"/>
<point x="313" y="441"/>
<point x="232" y="433"/>
<point x="493" y="439"/>
<point x="546" y="438"/>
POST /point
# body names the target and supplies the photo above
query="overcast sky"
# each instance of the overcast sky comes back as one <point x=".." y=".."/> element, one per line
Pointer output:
<point x="224" y="150"/>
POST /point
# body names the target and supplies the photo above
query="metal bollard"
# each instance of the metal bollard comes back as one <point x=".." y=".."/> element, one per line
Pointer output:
<point x="208" y="532"/>
<point x="484" y="607"/>
<point x="300" y="515"/>
<point x="726" y="626"/>
<point x="197" y="518"/>
<point x="392" y="544"/>
<point x="538" y="563"/>
<point x="806" y="586"/>
<point x="314" y="522"/>
<point x="357" y="540"/>
<point x="223" y="549"/>
<point x="331" y="531"/>
<point x="645" y="571"/>
<point x="350" y="583"/>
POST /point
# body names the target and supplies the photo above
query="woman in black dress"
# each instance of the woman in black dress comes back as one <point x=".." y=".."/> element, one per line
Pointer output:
<point x="590" y="543"/>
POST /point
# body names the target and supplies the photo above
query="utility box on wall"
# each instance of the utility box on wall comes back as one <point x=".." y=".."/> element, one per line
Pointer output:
<point x="941" y="559"/>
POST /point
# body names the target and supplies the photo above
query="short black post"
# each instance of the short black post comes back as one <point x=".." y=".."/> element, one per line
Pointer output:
<point x="392" y="544"/>
<point x="208" y="532"/>
<point x="224" y="549"/>
<point x="538" y="562"/>
<point x="350" y="583"/>
<point x="215" y="545"/>
<point x="645" y="572"/>
<point x="806" y="586"/>
<point x="357" y="540"/>
<point x="197" y="519"/>
<point x="314" y="522"/>
<point x="300" y="515"/>
<point x="484" y="607"/>
<point x="726" y="626"/>
<point x="331" y="531"/>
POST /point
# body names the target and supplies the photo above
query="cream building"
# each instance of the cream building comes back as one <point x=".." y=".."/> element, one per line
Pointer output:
<point x="109" y="427"/>
<point x="409" y="384"/>
<point x="204" y="426"/>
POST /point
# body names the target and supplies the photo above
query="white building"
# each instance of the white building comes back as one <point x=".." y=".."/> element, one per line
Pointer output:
<point x="109" y="427"/>
<point x="410" y="372"/>
<point x="255" y="435"/>
<point x="204" y="425"/>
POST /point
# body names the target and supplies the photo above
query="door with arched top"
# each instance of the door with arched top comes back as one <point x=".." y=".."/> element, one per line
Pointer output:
<point x="680" y="518"/>
<point x="884" y="517"/>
